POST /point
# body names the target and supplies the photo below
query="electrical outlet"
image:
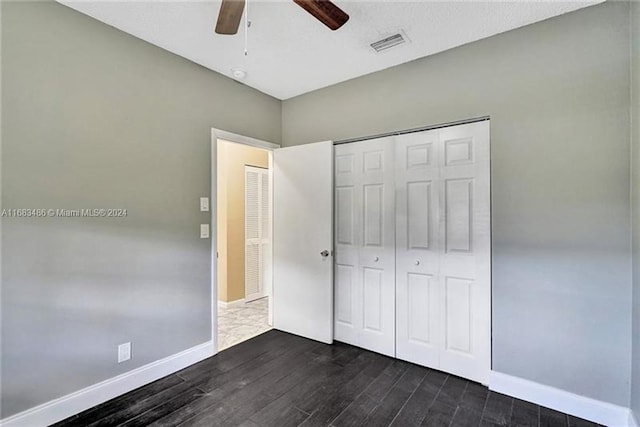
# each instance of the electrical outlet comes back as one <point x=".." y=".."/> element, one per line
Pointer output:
<point x="124" y="352"/>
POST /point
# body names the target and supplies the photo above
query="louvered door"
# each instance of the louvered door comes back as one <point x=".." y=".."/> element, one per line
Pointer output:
<point x="256" y="232"/>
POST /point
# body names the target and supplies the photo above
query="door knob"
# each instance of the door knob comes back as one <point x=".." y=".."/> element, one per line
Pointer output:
<point x="324" y="253"/>
<point x="376" y="259"/>
<point x="417" y="262"/>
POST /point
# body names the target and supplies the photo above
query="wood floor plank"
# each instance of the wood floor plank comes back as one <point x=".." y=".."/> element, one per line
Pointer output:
<point x="551" y="418"/>
<point x="475" y="397"/>
<point x="243" y="372"/>
<point x="268" y="354"/>
<point x="214" y="399"/>
<point x="120" y="403"/>
<point x="498" y="408"/>
<point x="399" y="394"/>
<point x="416" y="408"/>
<point x="579" y="422"/>
<point x="465" y="417"/>
<point x="487" y="423"/>
<point x="234" y="356"/>
<point x="280" y="414"/>
<point x="381" y="386"/>
<point x="249" y="401"/>
<point x="356" y="412"/>
<point x="138" y="407"/>
<point x="524" y="414"/>
<point x="331" y="407"/>
<point x="310" y="399"/>
<point x="185" y="412"/>
<point x="320" y="384"/>
<point x="240" y="405"/>
<point x="165" y="408"/>
<point x="452" y="391"/>
<point x="315" y="378"/>
<point x="439" y="415"/>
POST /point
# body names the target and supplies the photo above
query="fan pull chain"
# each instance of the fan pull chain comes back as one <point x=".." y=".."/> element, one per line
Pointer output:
<point x="247" y="24"/>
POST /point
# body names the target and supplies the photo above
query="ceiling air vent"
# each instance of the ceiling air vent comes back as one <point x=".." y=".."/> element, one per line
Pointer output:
<point x="388" y="42"/>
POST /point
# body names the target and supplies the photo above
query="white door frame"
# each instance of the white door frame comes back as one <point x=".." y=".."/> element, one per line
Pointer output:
<point x="219" y="134"/>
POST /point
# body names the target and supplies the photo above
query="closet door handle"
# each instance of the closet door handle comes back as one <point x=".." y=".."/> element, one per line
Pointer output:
<point x="417" y="262"/>
<point x="376" y="259"/>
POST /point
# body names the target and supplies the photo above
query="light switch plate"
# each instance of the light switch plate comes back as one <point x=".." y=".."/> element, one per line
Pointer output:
<point x="204" y="204"/>
<point x="204" y="231"/>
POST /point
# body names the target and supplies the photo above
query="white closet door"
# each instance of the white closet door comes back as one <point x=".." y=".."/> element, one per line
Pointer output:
<point x="443" y="250"/>
<point x="365" y="247"/>
<point x="465" y="264"/>
<point x="347" y="316"/>
<point x="418" y="332"/>
<point x="256" y="212"/>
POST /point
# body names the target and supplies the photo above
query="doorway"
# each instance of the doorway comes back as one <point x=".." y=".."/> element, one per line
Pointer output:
<point x="243" y="241"/>
<point x="299" y="285"/>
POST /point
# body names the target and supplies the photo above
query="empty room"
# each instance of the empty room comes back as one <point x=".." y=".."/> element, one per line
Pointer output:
<point x="319" y="213"/>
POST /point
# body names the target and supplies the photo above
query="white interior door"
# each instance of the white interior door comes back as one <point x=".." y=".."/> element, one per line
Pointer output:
<point x="256" y="232"/>
<point x="365" y="255"/>
<point x="418" y="307"/>
<point x="465" y="254"/>
<point x="303" y="240"/>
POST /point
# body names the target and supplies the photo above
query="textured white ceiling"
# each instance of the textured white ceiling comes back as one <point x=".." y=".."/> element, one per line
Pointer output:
<point x="290" y="53"/>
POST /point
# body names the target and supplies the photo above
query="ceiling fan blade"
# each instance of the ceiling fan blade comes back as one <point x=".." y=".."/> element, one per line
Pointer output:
<point x="325" y="11"/>
<point x="229" y="16"/>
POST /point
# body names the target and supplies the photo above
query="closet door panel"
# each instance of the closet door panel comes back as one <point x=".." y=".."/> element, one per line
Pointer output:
<point x="365" y="257"/>
<point x="347" y="321"/>
<point x="465" y="267"/>
<point x="417" y="245"/>
<point x="377" y="252"/>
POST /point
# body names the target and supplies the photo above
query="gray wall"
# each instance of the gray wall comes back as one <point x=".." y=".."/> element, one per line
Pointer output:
<point x="635" y="183"/>
<point x="93" y="117"/>
<point x="558" y="96"/>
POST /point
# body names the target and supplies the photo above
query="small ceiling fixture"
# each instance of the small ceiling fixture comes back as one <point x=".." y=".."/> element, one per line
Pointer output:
<point x="238" y="74"/>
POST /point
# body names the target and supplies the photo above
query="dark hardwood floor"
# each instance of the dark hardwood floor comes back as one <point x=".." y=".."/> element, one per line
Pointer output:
<point x="277" y="379"/>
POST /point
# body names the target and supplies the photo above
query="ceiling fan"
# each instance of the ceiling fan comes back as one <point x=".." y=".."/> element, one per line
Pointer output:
<point x="323" y="10"/>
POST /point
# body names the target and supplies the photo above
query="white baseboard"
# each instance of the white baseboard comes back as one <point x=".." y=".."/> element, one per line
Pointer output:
<point x="230" y="304"/>
<point x="580" y="406"/>
<point x="633" y="421"/>
<point x="71" y="404"/>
